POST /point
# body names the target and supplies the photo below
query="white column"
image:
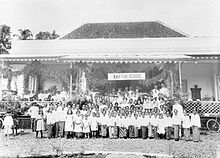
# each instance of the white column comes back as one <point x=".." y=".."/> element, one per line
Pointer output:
<point x="171" y="78"/>
<point x="1" y="80"/>
<point x="180" y="76"/>
<point x="71" y="80"/>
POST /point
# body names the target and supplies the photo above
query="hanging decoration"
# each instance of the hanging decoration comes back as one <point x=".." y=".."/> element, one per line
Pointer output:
<point x="94" y="75"/>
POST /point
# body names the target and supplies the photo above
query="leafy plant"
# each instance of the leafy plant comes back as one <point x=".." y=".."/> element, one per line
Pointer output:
<point x="5" y="39"/>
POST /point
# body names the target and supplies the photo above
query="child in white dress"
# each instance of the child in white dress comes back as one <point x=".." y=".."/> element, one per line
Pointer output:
<point x="86" y="126"/>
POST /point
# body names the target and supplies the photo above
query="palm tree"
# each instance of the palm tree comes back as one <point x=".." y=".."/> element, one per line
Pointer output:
<point x="5" y="39"/>
<point x="54" y="35"/>
<point x="46" y="35"/>
<point x="43" y="36"/>
<point x="24" y="34"/>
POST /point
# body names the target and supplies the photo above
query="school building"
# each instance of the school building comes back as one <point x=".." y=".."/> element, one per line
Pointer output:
<point x="118" y="48"/>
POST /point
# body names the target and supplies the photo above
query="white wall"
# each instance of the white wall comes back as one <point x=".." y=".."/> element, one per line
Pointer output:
<point x="200" y="74"/>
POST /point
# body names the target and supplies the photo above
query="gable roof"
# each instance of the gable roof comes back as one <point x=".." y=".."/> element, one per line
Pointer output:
<point x="153" y="29"/>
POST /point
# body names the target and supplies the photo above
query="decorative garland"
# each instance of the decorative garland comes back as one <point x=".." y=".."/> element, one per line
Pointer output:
<point x="91" y="70"/>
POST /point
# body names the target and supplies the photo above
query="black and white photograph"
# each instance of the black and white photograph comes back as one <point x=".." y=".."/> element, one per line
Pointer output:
<point x="109" y="78"/>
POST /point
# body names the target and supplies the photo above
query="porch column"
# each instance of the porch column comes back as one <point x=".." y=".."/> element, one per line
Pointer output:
<point x="180" y="76"/>
<point x="71" y="79"/>
<point x="1" y="80"/>
<point x="171" y="78"/>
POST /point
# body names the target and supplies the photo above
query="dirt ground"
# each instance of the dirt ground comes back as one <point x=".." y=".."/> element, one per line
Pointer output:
<point x="26" y="143"/>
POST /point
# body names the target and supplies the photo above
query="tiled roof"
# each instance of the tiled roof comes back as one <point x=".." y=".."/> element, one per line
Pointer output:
<point x="153" y="29"/>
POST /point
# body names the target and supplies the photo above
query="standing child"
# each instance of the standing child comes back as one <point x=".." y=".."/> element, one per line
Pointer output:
<point x="69" y="123"/>
<point x="150" y="126"/>
<point x="104" y="121"/>
<point x="143" y="123"/>
<point x="94" y="125"/>
<point x="161" y="127"/>
<point x="78" y="124"/>
<point x="176" y="125"/>
<point x="168" y="125"/>
<point x="110" y="124"/>
<point x="196" y="124"/>
<point x="136" y="125"/>
<point x="8" y="123"/>
<point x="50" y="123"/>
<point x="86" y="126"/>
<point x="186" y="125"/>
<point x="40" y="124"/>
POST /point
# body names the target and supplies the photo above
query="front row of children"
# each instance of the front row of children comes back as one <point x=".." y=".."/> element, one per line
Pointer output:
<point x="115" y="124"/>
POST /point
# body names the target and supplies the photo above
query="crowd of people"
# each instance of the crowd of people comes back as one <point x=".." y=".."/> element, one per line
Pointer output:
<point x="119" y="114"/>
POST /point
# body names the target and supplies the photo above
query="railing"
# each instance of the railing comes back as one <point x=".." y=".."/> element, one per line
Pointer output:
<point x="6" y="104"/>
<point x="205" y="107"/>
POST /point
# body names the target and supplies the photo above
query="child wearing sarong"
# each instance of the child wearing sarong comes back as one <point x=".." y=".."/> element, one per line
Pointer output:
<point x="150" y="126"/>
<point x="125" y="125"/>
<point x="144" y="123"/>
<point x="120" y="125"/>
<point x="154" y="122"/>
<point x="110" y="124"/>
<point x="161" y="127"/>
<point x="136" y="125"/>
<point x="103" y="122"/>
<point x="131" y="125"/>
<point x="186" y="126"/>
<point x="78" y="124"/>
<point x="168" y="125"/>
<point x="176" y="125"/>
<point x="115" y="129"/>
<point x="195" y="124"/>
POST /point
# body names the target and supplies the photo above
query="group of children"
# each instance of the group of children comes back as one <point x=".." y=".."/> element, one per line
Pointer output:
<point x="121" y="114"/>
<point x="115" y="121"/>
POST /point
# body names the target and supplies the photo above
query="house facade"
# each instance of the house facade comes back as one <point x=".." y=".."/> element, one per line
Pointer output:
<point x="196" y="59"/>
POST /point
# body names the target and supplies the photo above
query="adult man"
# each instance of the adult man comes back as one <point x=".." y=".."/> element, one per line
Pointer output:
<point x="33" y="112"/>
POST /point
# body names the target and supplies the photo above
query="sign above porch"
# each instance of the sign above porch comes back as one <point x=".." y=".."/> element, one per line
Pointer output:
<point x="126" y="76"/>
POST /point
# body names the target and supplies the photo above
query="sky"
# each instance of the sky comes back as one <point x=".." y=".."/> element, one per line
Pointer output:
<point x="194" y="17"/>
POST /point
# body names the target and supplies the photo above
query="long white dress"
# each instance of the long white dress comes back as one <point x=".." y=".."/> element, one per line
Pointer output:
<point x="8" y="123"/>
<point x="78" y="123"/>
<point x="94" y="124"/>
<point x="86" y="128"/>
<point x="40" y="123"/>
<point x="69" y="126"/>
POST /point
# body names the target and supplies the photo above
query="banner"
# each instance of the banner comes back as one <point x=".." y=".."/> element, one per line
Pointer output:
<point x="126" y="76"/>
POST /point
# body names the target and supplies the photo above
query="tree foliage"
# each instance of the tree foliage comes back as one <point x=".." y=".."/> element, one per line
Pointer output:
<point x="25" y="34"/>
<point x="5" y="39"/>
<point x="46" y="35"/>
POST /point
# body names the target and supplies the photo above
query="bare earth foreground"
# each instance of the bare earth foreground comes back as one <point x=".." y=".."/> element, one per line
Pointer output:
<point x="26" y="143"/>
